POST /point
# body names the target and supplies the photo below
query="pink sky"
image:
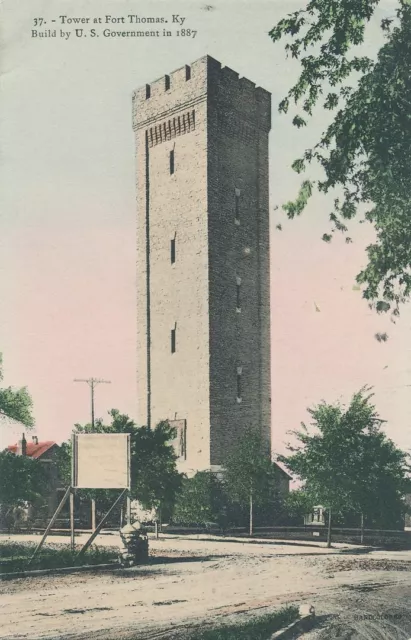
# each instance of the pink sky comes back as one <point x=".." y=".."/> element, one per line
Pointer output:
<point x="67" y="230"/>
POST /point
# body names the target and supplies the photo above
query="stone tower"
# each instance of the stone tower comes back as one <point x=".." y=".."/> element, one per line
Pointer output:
<point x="203" y="283"/>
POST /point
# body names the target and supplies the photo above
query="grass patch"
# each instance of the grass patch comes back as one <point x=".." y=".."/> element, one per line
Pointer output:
<point x="14" y="556"/>
<point x="258" y="628"/>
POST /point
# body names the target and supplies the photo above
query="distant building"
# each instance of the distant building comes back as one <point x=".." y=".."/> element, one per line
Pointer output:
<point x="316" y="517"/>
<point x="203" y="279"/>
<point x="283" y="479"/>
<point x="46" y="452"/>
<point x="34" y="448"/>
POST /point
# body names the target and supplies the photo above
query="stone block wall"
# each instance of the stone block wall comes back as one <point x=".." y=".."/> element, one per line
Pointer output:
<point x="238" y="128"/>
<point x="201" y="139"/>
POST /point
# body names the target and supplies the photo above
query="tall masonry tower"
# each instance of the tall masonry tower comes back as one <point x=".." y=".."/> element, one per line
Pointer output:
<point x="203" y="284"/>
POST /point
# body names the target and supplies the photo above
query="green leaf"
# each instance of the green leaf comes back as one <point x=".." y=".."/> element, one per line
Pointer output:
<point x="16" y="404"/>
<point x="347" y="462"/>
<point x="299" y="122"/>
<point x="295" y="208"/>
<point x="364" y="152"/>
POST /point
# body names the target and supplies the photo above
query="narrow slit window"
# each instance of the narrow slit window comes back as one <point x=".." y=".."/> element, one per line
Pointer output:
<point x="173" y="340"/>
<point x="148" y="91"/>
<point x="173" y="250"/>
<point x="238" y="294"/>
<point x="239" y="385"/>
<point x="237" y="206"/>
<point x="171" y="161"/>
<point x="167" y="82"/>
<point x="188" y="72"/>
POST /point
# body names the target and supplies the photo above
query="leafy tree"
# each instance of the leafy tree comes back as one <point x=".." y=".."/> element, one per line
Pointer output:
<point x="23" y="480"/>
<point x="154" y="476"/>
<point x="202" y="499"/>
<point x="63" y="462"/>
<point x="297" y="504"/>
<point x="15" y="404"/>
<point x="153" y="465"/>
<point x="249" y="473"/>
<point x="364" y="153"/>
<point x="347" y="462"/>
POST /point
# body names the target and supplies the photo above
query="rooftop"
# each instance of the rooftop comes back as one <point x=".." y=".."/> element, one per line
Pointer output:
<point x="282" y="469"/>
<point x="34" y="449"/>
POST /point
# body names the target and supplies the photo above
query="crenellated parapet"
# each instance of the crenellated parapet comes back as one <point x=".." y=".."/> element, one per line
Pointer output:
<point x="205" y="80"/>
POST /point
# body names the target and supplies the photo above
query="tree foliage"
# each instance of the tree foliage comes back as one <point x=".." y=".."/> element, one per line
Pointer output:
<point x="23" y="479"/>
<point x="347" y="462"/>
<point x="249" y="468"/>
<point x="297" y="504"/>
<point x="154" y="476"/>
<point x="250" y="477"/>
<point x="364" y="153"/>
<point x="15" y="404"/>
<point x="202" y="499"/>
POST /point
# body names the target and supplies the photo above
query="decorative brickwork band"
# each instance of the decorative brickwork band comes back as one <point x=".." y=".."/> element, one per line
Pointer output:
<point x="172" y="128"/>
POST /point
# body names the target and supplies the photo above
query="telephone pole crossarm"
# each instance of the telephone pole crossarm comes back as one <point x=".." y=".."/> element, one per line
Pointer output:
<point x="92" y="382"/>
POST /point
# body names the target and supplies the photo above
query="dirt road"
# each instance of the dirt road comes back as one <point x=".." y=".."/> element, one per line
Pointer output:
<point x="376" y="609"/>
<point x="189" y="581"/>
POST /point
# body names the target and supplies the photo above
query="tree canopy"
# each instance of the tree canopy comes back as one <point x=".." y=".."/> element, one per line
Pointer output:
<point x="364" y="153"/>
<point x="15" y="404"/>
<point x="250" y="477"/>
<point x="347" y="462"/>
<point x="23" y="479"/>
<point x="201" y="500"/>
<point x="154" y="476"/>
<point x="297" y="504"/>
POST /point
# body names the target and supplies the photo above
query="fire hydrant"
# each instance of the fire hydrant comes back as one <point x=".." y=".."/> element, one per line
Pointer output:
<point x="134" y="549"/>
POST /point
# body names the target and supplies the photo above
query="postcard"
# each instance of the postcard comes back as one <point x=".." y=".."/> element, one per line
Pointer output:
<point x="204" y="319"/>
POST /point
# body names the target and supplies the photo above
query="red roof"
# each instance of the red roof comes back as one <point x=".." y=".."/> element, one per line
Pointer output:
<point x="34" y="450"/>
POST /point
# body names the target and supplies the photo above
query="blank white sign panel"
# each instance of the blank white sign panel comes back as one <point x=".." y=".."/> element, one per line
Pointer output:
<point x="101" y="461"/>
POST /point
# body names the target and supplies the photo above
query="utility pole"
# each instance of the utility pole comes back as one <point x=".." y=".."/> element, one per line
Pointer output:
<point x="92" y="382"/>
<point x="329" y="529"/>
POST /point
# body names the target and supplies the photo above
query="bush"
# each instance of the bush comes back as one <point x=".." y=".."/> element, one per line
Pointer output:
<point x="23" y="480"/>
<point x="202" y="500"/>
<point x="15" y="556"/>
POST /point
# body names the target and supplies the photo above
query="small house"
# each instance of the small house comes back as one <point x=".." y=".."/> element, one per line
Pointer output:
<point x="47" y="453"/>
